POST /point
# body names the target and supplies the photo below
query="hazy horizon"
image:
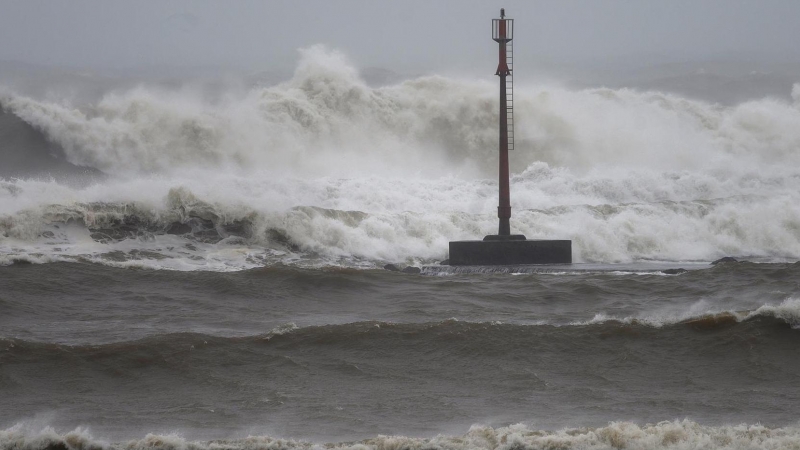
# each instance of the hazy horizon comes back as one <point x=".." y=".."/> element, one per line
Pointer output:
<point x="400" y="36"/>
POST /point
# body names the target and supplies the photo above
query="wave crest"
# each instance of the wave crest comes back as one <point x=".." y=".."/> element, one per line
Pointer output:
<point x="788" y="311"/>
<point x="627" y="175"/>
<point x="327" y="121"/>
<point x="668" y="434"/>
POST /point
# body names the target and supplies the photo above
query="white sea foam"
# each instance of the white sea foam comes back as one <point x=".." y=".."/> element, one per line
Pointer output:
<point x="678" y="434"/>
<point x="788" y="311"/>
<point x="280" y="330"/>
<point x="626" y="175"/>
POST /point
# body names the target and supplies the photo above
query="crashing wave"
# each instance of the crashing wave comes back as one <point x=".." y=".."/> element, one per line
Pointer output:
<point x="668" y="434"/>
<point x="329" y="169"/>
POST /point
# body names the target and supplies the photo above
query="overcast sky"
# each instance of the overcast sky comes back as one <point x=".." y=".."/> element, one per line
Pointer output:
<point x="400" y="35"/>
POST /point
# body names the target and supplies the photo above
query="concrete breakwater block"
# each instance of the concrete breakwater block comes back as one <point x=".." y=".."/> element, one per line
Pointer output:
<point x="510" y="250"/>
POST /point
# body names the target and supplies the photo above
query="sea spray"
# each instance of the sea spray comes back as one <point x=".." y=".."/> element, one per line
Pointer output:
<point x="325" y="169"/>
<point x="677" y="434"/>
<point x="326" y="120"/>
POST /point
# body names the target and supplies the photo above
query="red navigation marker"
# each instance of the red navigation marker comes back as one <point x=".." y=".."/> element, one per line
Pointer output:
<point x="503" y="33"/>
<point x="505" y="248"/>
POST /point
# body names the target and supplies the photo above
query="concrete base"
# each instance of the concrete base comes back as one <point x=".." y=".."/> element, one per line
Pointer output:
<point x="509" y="250"/>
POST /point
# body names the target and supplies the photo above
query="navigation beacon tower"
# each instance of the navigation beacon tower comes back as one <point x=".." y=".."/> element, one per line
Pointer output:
<point x="503" y="33"/>
<point x="505" y="248"/>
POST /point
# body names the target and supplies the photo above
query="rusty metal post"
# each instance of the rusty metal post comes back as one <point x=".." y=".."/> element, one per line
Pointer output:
<point x="505" y="248"/>
<point x="504" y="208"/>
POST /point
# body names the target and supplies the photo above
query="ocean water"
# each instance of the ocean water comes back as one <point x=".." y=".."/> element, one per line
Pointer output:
<point x="187" y="270"/>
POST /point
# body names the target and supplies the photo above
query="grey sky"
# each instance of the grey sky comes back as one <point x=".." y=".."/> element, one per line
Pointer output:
<point x="409" y="34"/>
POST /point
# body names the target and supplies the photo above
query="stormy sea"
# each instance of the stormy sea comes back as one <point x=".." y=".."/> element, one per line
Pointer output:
<point x="195" y="267"/>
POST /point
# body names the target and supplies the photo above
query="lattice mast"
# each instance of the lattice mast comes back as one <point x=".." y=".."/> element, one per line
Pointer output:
<point x="503" y="33"/>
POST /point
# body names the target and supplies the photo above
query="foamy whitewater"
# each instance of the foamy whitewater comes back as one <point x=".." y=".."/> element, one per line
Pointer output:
<point x="187" y="269"/>
<point x="323" y="170"/>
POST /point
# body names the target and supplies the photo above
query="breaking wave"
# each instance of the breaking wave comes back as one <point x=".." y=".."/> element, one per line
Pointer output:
<point x="381" y="362"/>
<point x="787" y="312"/>
<point x="680" y="434"/>
<point x="289" y="335"/>
<point x="324" y="169"/>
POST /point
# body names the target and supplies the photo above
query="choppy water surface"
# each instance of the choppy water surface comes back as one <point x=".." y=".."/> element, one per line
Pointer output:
<point x="331" y="355"/>
<point x="181" y="271"/>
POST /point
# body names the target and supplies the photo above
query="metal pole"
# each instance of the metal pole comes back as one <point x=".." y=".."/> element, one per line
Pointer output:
<point x="504" y="208"/>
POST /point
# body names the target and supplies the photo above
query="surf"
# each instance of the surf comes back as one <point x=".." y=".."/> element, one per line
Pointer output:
<point x="325" y="169"/>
